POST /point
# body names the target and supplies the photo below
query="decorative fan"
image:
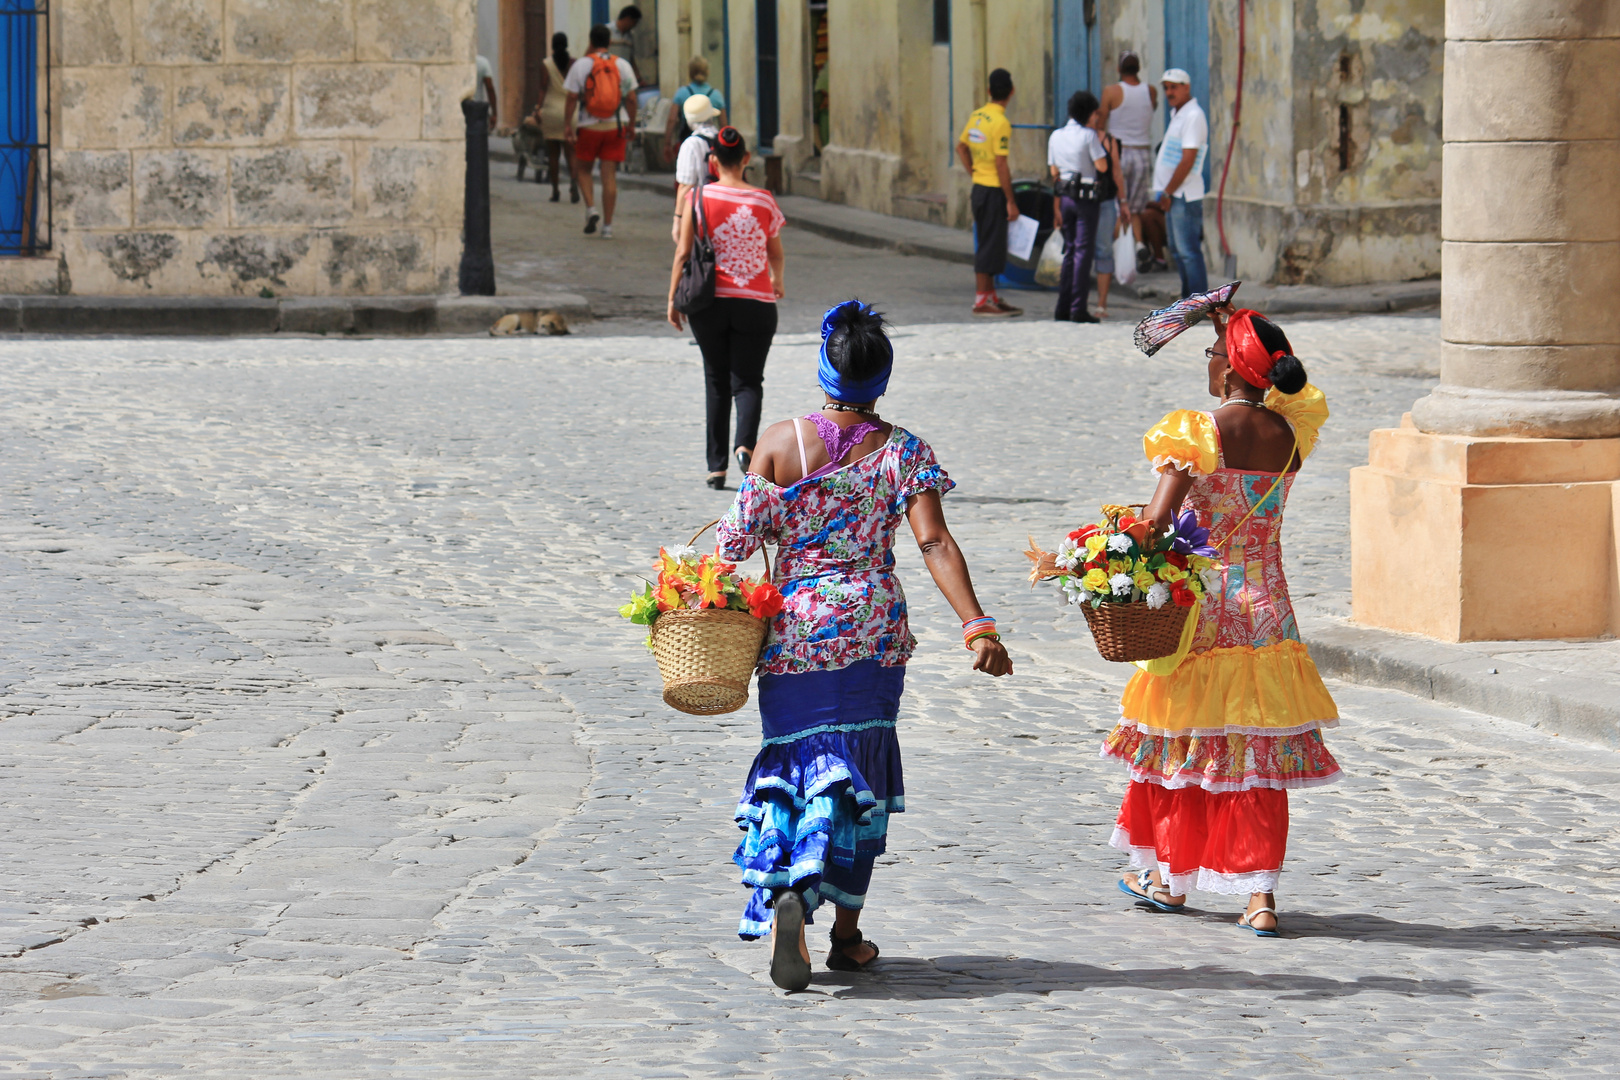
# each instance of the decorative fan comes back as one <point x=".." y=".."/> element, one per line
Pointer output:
<point x="1162" y="325"/>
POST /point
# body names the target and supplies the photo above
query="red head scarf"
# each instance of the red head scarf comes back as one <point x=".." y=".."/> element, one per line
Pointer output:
<point x="1244" y="352"/>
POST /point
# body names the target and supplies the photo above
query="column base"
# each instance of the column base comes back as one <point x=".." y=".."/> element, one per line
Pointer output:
<point x="1463" y="538"/>
<point x="1535" y="414"/>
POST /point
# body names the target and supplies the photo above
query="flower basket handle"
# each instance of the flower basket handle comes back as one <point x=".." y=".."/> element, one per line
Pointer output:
<point x="762" y="552"/>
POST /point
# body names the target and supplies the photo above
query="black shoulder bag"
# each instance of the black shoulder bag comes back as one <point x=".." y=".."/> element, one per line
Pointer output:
<point x="695" y="290"/>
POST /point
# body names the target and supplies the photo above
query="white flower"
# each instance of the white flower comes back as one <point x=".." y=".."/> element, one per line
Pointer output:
<point x="1072" y="589"/>
<point x="1069" y="555"/>
<point x="1212" y="579"/>
<point x="1120" y="543"/>
<point x="1121" y="584"/>
<point x="686" y="551"/>
<point x="1158" y="595"/>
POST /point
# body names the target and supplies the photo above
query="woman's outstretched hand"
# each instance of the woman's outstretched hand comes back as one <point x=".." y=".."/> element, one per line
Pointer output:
<point x="991" y="655"/>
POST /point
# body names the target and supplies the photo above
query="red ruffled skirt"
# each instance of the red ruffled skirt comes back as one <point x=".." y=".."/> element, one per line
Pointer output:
<point x="1224" y="842"/>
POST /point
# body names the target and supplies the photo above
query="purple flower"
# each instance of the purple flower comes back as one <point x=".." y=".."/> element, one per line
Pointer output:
<point x="1190" y="538"/>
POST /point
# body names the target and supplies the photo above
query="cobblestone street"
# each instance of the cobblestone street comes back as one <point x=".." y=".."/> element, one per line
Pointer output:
<point x="324" y="753"/>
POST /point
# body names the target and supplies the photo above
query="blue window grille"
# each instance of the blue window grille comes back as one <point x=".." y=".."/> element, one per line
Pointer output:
<point x="25" y="167"/>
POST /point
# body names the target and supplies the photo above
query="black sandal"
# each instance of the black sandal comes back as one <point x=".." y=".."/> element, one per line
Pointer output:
<point x="789" y="969"/>
<point x="744" y="459"/>
<point x="838" y="960"/>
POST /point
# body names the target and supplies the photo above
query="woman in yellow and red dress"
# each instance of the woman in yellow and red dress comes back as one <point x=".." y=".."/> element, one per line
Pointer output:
<point x="1214" y="746"/>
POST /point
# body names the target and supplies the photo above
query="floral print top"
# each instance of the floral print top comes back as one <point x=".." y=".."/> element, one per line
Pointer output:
<point x="835" y="560"/>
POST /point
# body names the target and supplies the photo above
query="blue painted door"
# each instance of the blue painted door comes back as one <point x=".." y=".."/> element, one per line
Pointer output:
<point x="1075" y="47"/>
<point x="1186" y="46"/>
<point x="765" y="49"/>
<point x="601" y="14"/>
<point x="21" y="163"/>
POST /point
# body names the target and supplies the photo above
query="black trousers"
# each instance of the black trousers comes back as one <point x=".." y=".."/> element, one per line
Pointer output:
<point x="990" y="226"/>
<point x="735" y="337"/>
<point x="1079" y="247"/>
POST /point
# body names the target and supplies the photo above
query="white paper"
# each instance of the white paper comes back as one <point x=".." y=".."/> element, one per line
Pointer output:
<point x="1021" y="237"/>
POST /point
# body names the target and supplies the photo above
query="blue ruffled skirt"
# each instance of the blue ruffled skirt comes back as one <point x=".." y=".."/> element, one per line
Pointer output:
<point x="815" y="810"/>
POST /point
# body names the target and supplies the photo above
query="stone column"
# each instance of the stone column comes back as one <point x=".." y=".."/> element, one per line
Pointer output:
<point x="1522" y="436"/>
<point x="1530" y="222"/>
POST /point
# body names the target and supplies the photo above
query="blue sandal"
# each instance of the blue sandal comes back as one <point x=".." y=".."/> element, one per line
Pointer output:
<point x="1243" y="921"/>
<point x="1148" y="893"/>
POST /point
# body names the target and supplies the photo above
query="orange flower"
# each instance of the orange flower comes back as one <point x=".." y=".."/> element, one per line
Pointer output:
<point x="711" y="590"/>
<point x="667" y="595"/>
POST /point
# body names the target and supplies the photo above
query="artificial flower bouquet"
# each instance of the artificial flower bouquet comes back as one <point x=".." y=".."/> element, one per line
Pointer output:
<point x="1135" y="590"/>
<point x="690" y="581"/>
<point x="706" y="626"/>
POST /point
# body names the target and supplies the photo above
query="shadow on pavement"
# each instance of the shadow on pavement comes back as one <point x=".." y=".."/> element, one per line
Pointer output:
<point x="1363" y="927"/>
<point x="905" y="978"/>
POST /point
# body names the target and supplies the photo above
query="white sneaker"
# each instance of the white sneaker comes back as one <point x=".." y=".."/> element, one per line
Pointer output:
<point x="607" y="232"/>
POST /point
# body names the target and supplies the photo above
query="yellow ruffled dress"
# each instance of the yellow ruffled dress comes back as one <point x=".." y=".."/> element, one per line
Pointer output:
<point x="1213" y="746"/>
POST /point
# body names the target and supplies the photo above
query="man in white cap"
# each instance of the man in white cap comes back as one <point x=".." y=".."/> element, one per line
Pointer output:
<point x="692" y="164"/>
<point x="1178" y="180"/>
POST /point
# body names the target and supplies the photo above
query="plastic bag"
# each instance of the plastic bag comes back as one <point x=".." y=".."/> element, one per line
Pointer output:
<point x="1049" y="270"/>
<point x="1125" y="257"/>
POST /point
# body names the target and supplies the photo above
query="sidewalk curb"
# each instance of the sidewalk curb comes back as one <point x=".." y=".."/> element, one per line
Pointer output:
<point x="1554" y="702"/>
<point x="356" y="316"/>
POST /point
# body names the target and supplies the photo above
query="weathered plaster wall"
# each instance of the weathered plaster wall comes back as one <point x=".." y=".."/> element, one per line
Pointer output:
<point x="225" y="146"/>
<point x="1336" y="175"/>
<point x="860" y="165"/>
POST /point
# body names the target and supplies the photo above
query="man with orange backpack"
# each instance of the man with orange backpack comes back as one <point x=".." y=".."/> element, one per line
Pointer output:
<point x="603" y="86"/>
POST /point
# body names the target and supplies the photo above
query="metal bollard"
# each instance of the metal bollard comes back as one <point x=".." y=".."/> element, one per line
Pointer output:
<point x="477" y="260"/>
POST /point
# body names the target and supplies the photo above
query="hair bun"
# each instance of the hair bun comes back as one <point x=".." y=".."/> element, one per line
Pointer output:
<point x="729" y="136"/>
<point x="1287" y="374"/>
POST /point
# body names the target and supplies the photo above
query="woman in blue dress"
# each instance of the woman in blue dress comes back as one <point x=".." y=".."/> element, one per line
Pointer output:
<point x="815" y="808"/>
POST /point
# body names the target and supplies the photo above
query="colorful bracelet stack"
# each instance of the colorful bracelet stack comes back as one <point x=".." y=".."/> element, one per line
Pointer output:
<point x="974" y="629"/>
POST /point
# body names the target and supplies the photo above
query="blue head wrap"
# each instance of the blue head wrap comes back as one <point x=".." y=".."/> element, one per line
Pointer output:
<point x="842" y="387"/>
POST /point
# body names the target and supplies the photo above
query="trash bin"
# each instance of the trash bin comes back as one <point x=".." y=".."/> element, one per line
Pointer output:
<point x="1035" y="200"/>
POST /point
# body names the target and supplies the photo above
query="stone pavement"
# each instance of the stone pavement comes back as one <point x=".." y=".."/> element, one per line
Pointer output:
<point x="325" y="753"/>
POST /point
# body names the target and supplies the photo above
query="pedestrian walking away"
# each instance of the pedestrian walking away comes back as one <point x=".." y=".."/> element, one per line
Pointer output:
<point x="743" y="223"/>
<point x="552" y="114"/>
<point x="1178" y="177"/>
<point x="693" y="163"/>
<point x="983" y="151"/>
<point x="679" y="129"/>
<point x="1075" y="158"/>
<point x="816" y="804"/>
<point x="1127" y="109"/>
<point x="1215" y="737"/>
<point x="604" y="87"/>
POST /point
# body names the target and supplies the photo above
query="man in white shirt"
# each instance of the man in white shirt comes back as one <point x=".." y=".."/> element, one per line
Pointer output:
<point x="692" y="164"/>
<point x="1075" y="156"/>
<point x="1178" y="178"/>
<point x="594" y="83"/>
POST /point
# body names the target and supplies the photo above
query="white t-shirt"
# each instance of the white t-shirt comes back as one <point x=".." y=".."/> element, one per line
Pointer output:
<point x="1074" y="149"/>
<point x="1188" y="130"/>
<point x="485" y="71"/>
<point x="692" y="163"/>
<point x="575" y="84"/>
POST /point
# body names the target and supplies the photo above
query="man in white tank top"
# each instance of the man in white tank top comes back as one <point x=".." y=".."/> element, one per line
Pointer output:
<point x="1127" y="110"/>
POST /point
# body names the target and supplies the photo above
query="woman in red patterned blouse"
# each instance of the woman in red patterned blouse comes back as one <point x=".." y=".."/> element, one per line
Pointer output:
<point x="734" y="333"/>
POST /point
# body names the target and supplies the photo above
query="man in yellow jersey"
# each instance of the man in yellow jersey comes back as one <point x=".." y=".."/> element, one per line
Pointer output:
<point x="983" y="150"/>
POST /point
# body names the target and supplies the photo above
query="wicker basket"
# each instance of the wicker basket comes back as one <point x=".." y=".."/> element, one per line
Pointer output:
<point x="707" y="656"/>
<point x="1125" y="632"/>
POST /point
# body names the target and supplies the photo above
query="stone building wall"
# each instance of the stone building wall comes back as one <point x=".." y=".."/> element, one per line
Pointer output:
<point x="223" y="147"/>
<point x="1335" y="178"/>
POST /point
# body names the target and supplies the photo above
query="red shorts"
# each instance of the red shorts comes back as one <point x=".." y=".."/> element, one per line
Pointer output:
<point x="593" y="145"/>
